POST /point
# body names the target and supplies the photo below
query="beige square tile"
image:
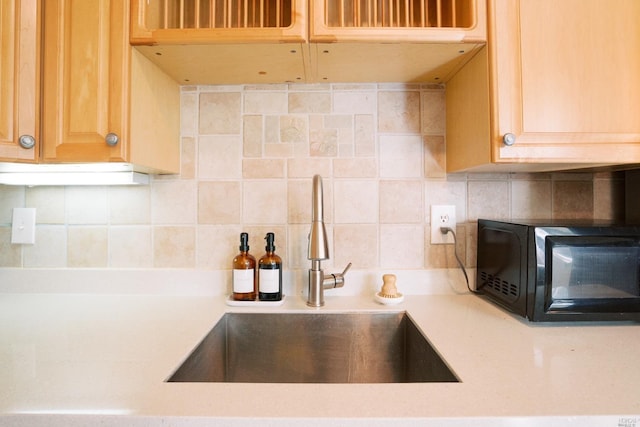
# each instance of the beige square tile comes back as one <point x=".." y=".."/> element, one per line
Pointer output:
<point x="346" y="137"/>
<point x="355" y="201"/>
<point x="346" y="149"/>
<point x="443" y="256"/>
<point x="531" y="199"/>
<point x="271" y="129"/>
<point x="174" y="247"/>
<point x="219" y="202"/>
<point x="608" y="198"/>
<point x="293" y="128"/>
<point x="435" y="159"/>
<point x="279" y="150"/>
<point x="129" y="205"/>
<point x="401" y="156"/>
<point x="401" y="202"/>
<point x="219" y="113"/>
<point x="338" y="121"/>
<point x="355" y="168"/>
<point x="308" y="167"/>
<point x="299" y="201"/>
<point x="188" y="158"/>
<point x="11" y="197"/>
<point x="399" y="112"/>
<point x="364" y="136"/>
<point x="188" y="113"/>
<point x="263" y="168"/>
<point x="573" y="199"/>
<point x="446" y="192"/>
<point x="219" y="157"/>
<point x="310" y="102"/>
<point x="357" y="244"/>
<point x="265" y="102"/>
<point x="298" y="247"/>
<point x="50" y="249"/>
<point x="472" y="244"/>
<point x="433" y="112"/>
<point x="323" y="142"/>
<point x="173" y="202"/>
<point x="488" y="199"/>
<point x="49" y="203"/>
<point x="252" y="136"/>
<point x="130" y="247"/>
<point x="87" y="247"/>
<point x="86" y="205"/>
<point x="402" y="246"/>
<point x="316" y="121"/>
<point x="217" y="246"/>
<point x="264" y="202"/>
<point x="354" y="102"/>
<point x="10" y="255"/>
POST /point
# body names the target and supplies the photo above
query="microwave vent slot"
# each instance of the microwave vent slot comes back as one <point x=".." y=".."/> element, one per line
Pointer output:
<point x="507" y="290"/>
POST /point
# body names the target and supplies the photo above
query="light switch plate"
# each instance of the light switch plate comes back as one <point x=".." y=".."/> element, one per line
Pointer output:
<point x="442" y="216"/>
<point x="23" y="228"/>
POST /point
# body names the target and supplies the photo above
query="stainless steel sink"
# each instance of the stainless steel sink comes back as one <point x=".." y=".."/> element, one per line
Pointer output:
<point x="314" y="348"/>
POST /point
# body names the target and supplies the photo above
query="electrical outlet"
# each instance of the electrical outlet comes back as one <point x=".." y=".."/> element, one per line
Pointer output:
<point x="442" y="216"/>
<point x="23" y="228"/>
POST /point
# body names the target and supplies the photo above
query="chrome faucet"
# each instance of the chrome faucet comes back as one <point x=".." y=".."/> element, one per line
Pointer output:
<point x="319" y="251"/>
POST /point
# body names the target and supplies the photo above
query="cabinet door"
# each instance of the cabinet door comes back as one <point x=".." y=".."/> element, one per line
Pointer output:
<point x="19" y="78"/>
<point x="565" y="77"/>
<point x="85" y="80"/>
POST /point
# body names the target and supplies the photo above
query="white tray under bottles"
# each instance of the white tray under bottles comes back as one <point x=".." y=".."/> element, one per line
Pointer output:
<point x="230" y="301"/>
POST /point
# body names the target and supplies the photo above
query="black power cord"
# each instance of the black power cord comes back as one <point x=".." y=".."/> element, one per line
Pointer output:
<point x="445" y="230"/>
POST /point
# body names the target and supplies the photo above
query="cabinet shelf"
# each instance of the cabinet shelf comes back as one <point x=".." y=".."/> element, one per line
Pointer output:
<point x="399" y="13"/>
<point x="199" y="14"/>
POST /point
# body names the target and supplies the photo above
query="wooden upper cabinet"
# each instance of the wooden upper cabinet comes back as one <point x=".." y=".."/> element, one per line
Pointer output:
<point x="560" y="81"/>
<point x="84" y="86"/>
<point x="19" y="79"/>
<point x="217" y="21"/>
<point x="98" y="105"/>
<point x="275" y="41"/>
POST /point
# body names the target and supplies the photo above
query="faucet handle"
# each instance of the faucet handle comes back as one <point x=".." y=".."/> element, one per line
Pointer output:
<point x="346" y="269"/>
<point x="335" y="280"/>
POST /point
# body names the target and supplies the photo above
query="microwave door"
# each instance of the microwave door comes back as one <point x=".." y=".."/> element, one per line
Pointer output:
<point x="592" y="274"/>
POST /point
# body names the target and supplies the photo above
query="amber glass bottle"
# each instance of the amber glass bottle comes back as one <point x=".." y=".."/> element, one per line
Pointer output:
<point x="270" y="273"/>
<point x="244" y="272"/>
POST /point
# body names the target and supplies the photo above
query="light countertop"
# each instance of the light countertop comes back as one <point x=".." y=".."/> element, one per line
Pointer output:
<point x="76" y="359"/>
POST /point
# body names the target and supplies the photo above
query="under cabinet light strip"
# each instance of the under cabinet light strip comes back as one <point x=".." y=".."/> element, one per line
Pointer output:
<point x="33" y="179"/>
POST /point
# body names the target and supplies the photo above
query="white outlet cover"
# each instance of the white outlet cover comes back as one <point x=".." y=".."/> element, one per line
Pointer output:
<point x="23" y="228"/>
<point x="442" y="216"/>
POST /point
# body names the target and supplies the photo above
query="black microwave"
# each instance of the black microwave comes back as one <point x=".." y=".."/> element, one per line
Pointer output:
<point x="550" y="271"/>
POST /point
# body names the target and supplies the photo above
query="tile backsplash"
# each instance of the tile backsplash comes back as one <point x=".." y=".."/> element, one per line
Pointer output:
<point x="248" y="155"/>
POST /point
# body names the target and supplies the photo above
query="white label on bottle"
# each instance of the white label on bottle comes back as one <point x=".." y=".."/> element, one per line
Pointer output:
<point x="243" y="281"/>
<point x="269" y="280"/>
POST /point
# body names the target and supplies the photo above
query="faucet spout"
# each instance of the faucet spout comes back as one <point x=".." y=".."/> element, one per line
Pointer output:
<point x="318" y="246"/>
<point x="319" y="251"/>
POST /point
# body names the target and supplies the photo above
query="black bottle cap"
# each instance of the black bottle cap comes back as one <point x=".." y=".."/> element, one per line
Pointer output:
<point x="244" y="242"/>
<point x="270" y="246"/>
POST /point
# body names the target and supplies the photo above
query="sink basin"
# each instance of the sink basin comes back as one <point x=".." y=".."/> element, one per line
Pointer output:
<point x="314" y="348"/>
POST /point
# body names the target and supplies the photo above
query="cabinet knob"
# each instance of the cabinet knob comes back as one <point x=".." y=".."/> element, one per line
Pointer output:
<point x="509" y="139"/>
<point x="27" y="141"/>
<point x="111" y="139"/>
